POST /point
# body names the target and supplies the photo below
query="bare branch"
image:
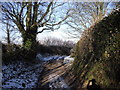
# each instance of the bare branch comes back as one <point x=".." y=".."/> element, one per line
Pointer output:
<point x="44" y="30"/>
<point x="47" y="11"/>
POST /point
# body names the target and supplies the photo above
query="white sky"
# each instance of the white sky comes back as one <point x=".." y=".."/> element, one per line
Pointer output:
<point x="60" y="33"/>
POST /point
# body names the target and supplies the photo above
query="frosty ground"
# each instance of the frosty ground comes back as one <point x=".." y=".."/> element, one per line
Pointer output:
<point x="23" y="75"/>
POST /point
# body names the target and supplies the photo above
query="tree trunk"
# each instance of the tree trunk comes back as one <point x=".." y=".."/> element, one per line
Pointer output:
<point x="8" y="34"/>
<point x="29" y="44"/>
<point x="29" y="38"/>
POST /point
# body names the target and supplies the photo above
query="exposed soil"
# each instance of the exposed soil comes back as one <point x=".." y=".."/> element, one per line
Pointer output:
<point x="52" y="75"/>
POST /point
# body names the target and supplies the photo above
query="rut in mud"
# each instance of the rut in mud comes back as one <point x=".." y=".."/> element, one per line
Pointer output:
<point x="52" y="76"/>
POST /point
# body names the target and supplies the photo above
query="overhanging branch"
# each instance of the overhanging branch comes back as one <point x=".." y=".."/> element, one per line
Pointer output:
<point x="44" y="30"/>
<point x="47" y="11"/>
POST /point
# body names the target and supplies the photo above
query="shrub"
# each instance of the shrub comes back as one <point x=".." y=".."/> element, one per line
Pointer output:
<point x="97" y="53"/>
<point x="15" y="53"/>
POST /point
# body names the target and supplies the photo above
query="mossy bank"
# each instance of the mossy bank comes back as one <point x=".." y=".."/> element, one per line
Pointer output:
<point x="97" y="53"/>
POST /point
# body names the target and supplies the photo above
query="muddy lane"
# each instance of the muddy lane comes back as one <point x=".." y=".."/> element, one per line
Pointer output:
<point x="52" y="75"/>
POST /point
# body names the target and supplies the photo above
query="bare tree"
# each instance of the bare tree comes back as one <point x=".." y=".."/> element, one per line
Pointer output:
<point x="85" y="15"/>
<point x="53" y="41"/>
<point x="29" y="16"/>
<point x="10" y="36"/>
<point x="10" y="32"/>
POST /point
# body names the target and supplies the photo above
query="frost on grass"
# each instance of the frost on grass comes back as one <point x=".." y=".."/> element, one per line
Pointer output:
<point x="68" y="59"/>
<point x="20" y="75"/>
<point x="49" y="58"/>
<point x="57" y="82"/>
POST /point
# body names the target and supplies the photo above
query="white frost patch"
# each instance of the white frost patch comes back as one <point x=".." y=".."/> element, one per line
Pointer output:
<point x="20" y="75"/>
<point x="54" y="58"/>
<point x="39" y="57"/>
<point x="58" y="82"/>
<point x="68" y="59"/>
<point x="49" y="58"/>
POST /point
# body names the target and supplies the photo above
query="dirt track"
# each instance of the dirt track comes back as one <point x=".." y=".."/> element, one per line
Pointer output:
<point x="52" y="76"/>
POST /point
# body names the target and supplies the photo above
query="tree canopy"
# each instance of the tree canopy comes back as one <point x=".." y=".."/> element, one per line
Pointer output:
<point x="29" y="16"/>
